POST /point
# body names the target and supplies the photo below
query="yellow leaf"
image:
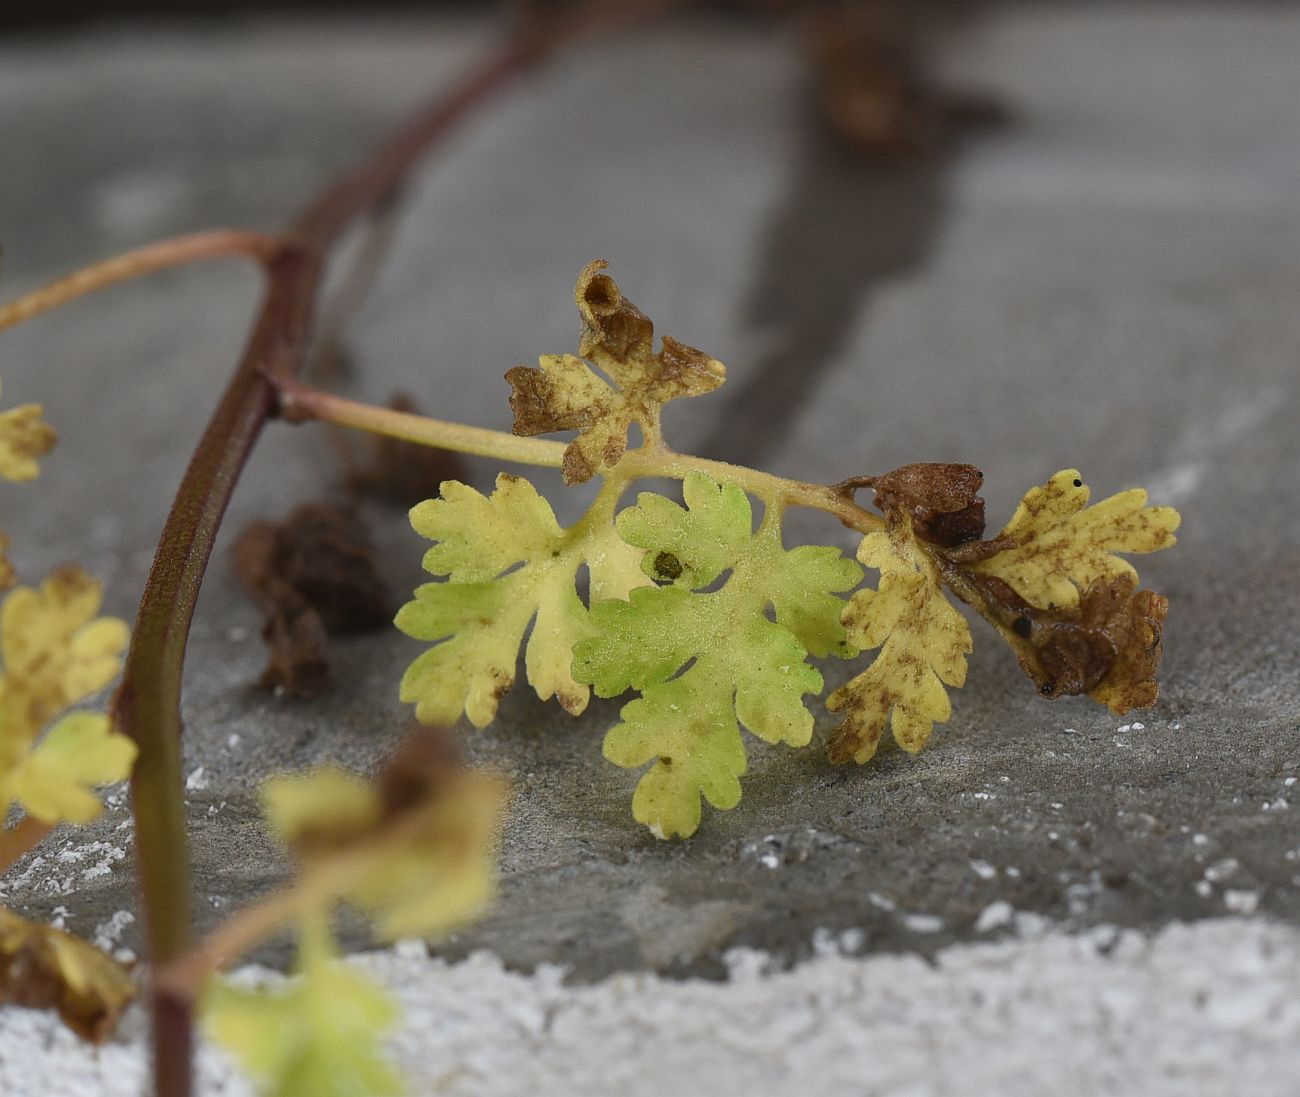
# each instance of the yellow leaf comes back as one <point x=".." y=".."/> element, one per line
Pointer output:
<point x="318" y="1036"/>
<point x="923" y="643"/>
<point x="56" y="651"/>
<point x="24" y="436"/>
<point x="1060" y="545"/>
<point x="45" y="968"/>
<point x="324" y="806"/>
<point x="508" y="562"/>
<point x="423" y="836"/>
<point x="55" y="780"/>
<point x="564" y="393"/>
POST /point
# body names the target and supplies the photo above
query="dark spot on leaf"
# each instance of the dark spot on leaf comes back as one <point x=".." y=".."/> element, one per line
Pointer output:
<point x="668" y="567"/>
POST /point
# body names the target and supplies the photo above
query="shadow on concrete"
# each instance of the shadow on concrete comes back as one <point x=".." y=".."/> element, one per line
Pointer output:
<point x="846" y="227"/>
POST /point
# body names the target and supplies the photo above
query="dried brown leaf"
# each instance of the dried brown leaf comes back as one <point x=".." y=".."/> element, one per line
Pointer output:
<point x="871" y="84"/>
<point x="45" y="968"/>
<point x="564" y="393"/>
<point x="313" y="574"/>
<point x="942" y="500"/>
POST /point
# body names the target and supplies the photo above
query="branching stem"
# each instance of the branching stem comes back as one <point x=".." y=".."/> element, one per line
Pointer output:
<point x="300" y="402"/>
<point x="173" y="252"/>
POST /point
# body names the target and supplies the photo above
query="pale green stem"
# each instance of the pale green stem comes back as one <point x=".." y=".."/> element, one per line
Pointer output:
<point x="299" y="402"/>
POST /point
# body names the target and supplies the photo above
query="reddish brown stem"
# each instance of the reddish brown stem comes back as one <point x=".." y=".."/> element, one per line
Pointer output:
<point x="172" y="252"/>
<point x="147" y="706"/>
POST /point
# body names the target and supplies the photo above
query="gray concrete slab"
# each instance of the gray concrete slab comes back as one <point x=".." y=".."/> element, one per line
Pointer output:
<point x="1108" y="283"/>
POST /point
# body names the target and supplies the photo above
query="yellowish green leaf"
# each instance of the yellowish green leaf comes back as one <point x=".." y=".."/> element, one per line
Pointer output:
<point x="420" y="845"/>
<point x="1058" y="545"/>
<point x="923" y="643"/>
<point x="744" y="668"/>
<point x="56" y="779"/>
<point x="564" y="393"/>
<point x="507" y="562"/>
<point x="56" y="651"/>
<point x="318" y="1036"/>
<point x="24" y="436"/>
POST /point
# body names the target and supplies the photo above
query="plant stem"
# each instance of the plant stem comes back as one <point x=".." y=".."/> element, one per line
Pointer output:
<point x="147" y="706"/>
<point x="173" y="252"/>
<point x="299" y="402"/>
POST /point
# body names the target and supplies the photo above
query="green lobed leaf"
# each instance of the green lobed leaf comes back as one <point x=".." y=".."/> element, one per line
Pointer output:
<point x="508" y="562"/>
<point x="706" y="662"/>
<point x="319" y="1036"/>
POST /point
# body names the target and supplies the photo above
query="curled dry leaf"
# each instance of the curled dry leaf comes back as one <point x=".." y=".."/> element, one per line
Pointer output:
<point x="564" y="393"/>
<point x="314" y="573"/>
<point x="870" y="79"/>
<point x="1108" y="646"/>
<point x="942" y="500"/>
<point x="45" y="968"/>
<point x="1054" y="585"/>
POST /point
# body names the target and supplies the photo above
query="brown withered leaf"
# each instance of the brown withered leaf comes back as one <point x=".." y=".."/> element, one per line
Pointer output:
<point x="404" y="472"/>
<point x="564" y="393"/>
<point x="45" y="968"/>
<point x="1108" y="646"/>
<point x="871" y="85"/>
<point x="313" y="574"/>
<point x="942" y="500"/>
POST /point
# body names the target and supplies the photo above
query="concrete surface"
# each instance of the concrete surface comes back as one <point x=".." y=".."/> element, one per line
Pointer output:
<point x="1206" y="1009"/>
<point x="1108" y="283"/>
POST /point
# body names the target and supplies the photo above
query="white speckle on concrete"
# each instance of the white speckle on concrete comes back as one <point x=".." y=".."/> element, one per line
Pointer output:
<point x="994" y="916"/>
<point x="1222" y="870"/>
<point x="1193" y="1011"/>
<point x="983" y="870"/>
<point x="923" y="923"/>
<point x="1241" y="902"/>
<point x="197" y="781"/>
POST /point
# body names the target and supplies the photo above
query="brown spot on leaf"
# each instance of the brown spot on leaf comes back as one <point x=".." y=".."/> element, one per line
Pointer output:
<point x="667" y="566"/>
